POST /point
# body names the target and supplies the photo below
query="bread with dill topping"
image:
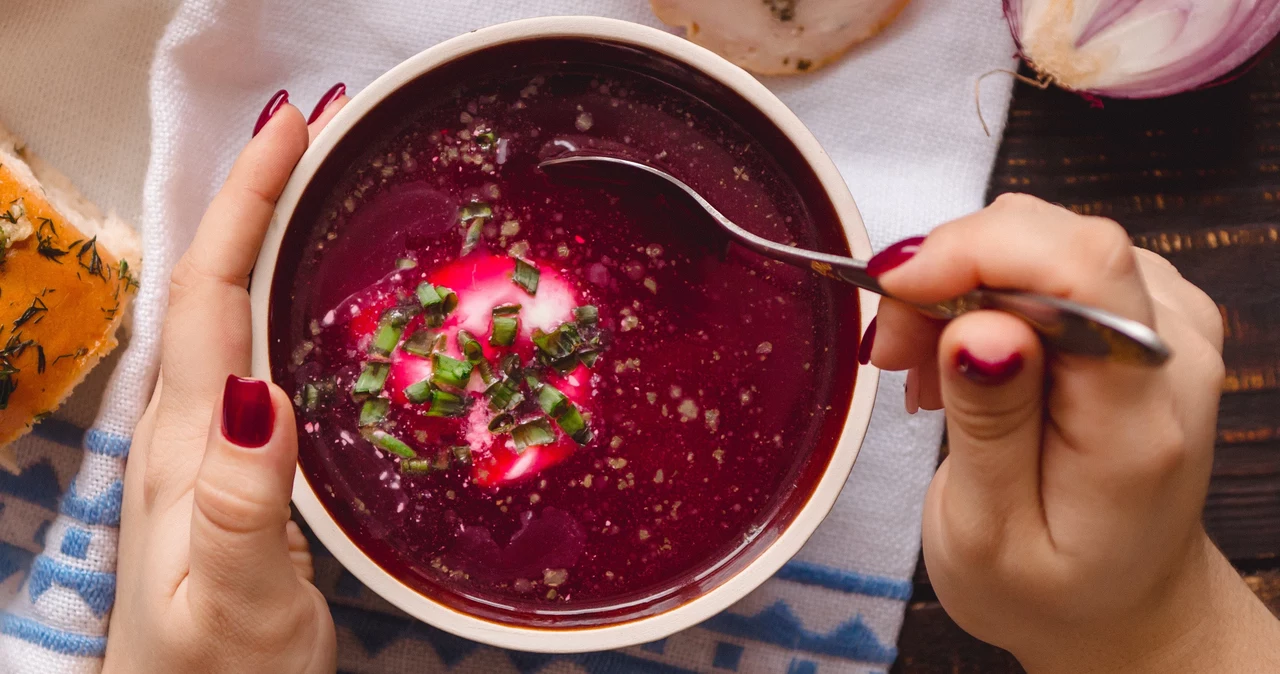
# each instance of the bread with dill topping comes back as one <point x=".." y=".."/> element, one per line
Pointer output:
<point x="67" y="273"/>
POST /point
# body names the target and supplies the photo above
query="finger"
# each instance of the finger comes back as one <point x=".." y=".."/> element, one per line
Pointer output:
<point x="206" y="332"/>
<point x="300" y="552"/>
<point x="1022" y="243"/>
<point x="329" y="104"/>
<point x="991" y="367"/>
<point x="240" y="552"/>
<point x="929" y="394"/>
<point x="1168" y="286"/>
<point x="905" y="338"/>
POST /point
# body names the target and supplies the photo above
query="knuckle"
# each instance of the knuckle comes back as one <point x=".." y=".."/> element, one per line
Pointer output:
<point x="1017" y="202"/>
<point x="232" y="510"/>
<point x="990" y="420"/>
<point x="1166" y="455"/>
<point x="1108" y="247"/>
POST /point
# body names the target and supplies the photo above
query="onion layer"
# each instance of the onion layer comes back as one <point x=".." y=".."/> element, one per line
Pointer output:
<point x="1140" y="48"/>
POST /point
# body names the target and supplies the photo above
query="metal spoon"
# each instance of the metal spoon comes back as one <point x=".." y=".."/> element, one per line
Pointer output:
<point x="1065" y="326"/>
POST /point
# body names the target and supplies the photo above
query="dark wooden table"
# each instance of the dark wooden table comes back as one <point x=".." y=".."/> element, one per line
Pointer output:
<point x="1196" y="178"/>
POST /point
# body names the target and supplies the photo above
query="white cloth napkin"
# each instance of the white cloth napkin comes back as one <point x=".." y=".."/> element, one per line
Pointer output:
<point x="897" y="116"/>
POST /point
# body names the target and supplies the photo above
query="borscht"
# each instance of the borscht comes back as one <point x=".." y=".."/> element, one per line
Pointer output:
<point x="555" y="401"/>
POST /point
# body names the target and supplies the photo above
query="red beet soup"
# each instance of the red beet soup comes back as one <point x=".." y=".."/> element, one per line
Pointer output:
<point x="550" y="401"/>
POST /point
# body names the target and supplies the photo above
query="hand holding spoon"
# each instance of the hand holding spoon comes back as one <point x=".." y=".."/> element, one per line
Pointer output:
<point x="1065" y="326"/>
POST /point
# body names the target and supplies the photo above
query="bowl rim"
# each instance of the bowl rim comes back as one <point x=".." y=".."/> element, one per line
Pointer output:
<point x="806" y="520"/>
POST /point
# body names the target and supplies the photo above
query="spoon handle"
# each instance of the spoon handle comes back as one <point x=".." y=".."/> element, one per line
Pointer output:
<point x="1065" y="326"/>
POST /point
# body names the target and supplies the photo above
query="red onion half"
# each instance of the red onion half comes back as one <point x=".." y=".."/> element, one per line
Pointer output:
<point x="1140" y="48"/>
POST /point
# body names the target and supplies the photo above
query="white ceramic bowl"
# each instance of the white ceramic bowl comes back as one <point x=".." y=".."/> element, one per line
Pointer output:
<point x="809" y="515"/>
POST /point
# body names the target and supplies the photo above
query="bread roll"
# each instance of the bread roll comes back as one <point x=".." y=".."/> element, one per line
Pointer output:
<point x="67" y="273"/>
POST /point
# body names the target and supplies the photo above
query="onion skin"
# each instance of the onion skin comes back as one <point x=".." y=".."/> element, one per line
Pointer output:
<point x="1080" y="45"/>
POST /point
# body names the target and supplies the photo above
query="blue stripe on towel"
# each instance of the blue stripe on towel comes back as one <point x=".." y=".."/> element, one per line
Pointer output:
<point x="97" y="589"/>
<point x="61" y="432"/>
<point x="778" y="625"/>
<point x="101" y="509"/>
<point x="50" y="639"/>
<point x="841" y="580"/>
<point x="107" y="444"/>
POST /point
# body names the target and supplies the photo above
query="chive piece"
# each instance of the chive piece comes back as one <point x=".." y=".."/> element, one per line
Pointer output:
<point x="552" y="401"/>
<point x="405" y="263"/>
<point x="558" y="343"/>
<point x="504" y="330"/>
<point x="510" y="365"/>
<point x="415" y="466"/>
<point x="485" y="138"/>
<point x="374" y="411"/>
<point x="421" y="342"/>
<point x="472" y="238"/>
<point x="450" y="371"/>
<point x="372" y="378"/>
<point x="526" y="276"/>
<point x="532" y="381"/>
<point x="391" y="443"/>
<point x="428" y="296"/>
<point x="502" y="424"/>
<point x="310" y="397"/>
<point x="589" y="357"/>
<point x="587" y="314"/>
<point x="486" y="372"/>
<point x="450" y="299"/>
<point x="461" y="454"/>
<point x="565" y="365"/>
<point x="470" y="346"/>
<point x="571" y="422"/>
<point x="445" y="404"/>
<point x="504" y="395"/>
<point x="390" y="327"/>
<point x="532" y="434"/>
<point x="506" y="310"/>
<point x="583" y="436"/>
<point x="476" y="210"/>
<point x="420" y="392"/>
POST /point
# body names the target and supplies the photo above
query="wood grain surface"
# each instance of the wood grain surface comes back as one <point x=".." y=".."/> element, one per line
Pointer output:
<point x="1196" y="178"/>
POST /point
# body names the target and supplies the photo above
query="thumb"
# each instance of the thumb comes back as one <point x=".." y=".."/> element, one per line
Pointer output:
<point x="991" y="368"/>
<point x="239" y="542"/>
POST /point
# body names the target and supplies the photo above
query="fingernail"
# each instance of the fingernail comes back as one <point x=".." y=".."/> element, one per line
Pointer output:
<point x="247" y="414"/>
<point x="868" y="341"/>
<point x="987" y="372"/>
<point x="329" y="96"/>
<point x="277" y="101"/>
<point x="894" y="255"/>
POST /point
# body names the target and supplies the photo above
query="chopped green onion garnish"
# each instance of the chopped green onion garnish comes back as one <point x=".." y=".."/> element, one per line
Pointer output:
<point x="450" y="371"/>
<point x="504" y="330"/>
<point x="486" y="138"/>
<point x="474" y="210"/>
<point x="374" y="411"/>
<point x="532" y="434"/>
<point x="526" y="276"/>
<point x="428" y="296"/>
<point x="558" y="343"/>
<point x="506" y="310"/>
<point x="583" y="436"/>
<point x="552" y="401"/>
<point x="372" y="378"/>
<point x="405" y="263"/>
<point x="445" y="404"/>
<point x="422" y="342"/>
<point x="420" y="392"/>
<point x="571" y="422"/>
<point x="473" y="237"/>
<point x="510" y="365"/>
<point x="587" y="314"/>
<point x="470" y="346"/>
<point x="390" y="327"/>
<point x="532" y="381"/>
<point x="461" y="454"/>
<point x="566" y="365"/>
<point x="504" y="395"/>
<point x="502" y="424"/>
<point x="589" y="357"/>
<point x="391" y="443"/>
<point x="310" y="397"/>
<point x="416" y="466"/>
<point x="486" y="372"/>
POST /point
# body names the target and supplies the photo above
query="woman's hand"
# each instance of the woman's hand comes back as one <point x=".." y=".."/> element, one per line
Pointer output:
<point x="213" y="577"/>
<point x="1065" y="525"/>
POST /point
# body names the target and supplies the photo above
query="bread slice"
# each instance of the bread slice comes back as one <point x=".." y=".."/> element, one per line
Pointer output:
<point x="67" y="273"/>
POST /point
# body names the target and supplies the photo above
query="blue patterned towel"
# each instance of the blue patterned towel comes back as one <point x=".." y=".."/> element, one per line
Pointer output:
<point x="898" y="118"/>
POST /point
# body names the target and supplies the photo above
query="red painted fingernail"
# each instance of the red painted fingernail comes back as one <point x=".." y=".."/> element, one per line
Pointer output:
<point x="248" y="418"/>
<point x="894" y="255"/>
<point x="329" y="96"/>
<point x="986" y="372"/>
<point x="868" y="340"/>
<point x="277" y="101"/>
